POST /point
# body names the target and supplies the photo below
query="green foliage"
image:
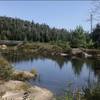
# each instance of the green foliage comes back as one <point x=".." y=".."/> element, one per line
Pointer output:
<point x="5" y="70"/>
<point x="63" y="44"/>
<point x="69" y="95"/>
<point x="78" y="38"/>
<point x="17" y="29"/>
<point x="95" y="35"/>
<point x="92" y="93"/>
<point x="38" y="47"/>
<point x="33" y="71"/>
<point x="90" y="43"/>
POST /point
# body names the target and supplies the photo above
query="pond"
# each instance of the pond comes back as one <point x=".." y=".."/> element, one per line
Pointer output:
<point x="56" y="73"/>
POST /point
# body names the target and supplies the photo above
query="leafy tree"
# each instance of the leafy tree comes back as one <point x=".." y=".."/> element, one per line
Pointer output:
<point x="78" y="38"/>
<point x="96" y="36"/>
<point x="89" y="41"/>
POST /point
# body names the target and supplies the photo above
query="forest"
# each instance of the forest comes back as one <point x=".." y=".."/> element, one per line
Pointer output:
<point x="24" y="30"/>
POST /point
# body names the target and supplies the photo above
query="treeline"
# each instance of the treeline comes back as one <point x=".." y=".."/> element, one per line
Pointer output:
<point x="17" y="29"/>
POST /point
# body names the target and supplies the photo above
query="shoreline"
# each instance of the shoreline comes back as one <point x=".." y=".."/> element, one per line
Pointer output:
<point x="51" y="50"/>
<point x="13" y="84"/>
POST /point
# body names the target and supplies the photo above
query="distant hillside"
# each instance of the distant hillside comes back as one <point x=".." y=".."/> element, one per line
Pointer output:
<point x="17" y="29"/>
<point x="23" y="30"/>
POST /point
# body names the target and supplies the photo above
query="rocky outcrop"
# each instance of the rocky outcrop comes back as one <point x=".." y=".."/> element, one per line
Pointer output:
<point x="17" y="90"/>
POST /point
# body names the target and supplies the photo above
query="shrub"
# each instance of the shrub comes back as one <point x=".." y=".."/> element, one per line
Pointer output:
<point x="33" y="71"/>
<point x="92" y="93"/>
<point x="5" y="69"/>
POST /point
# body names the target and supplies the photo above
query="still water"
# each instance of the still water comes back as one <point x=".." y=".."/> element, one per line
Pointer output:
<point x="56" y="73"/>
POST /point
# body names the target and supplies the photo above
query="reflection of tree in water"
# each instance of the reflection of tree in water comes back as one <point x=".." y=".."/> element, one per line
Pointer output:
<point x="94" y="65"/>
<point x="96" y="68"/>
<point x="17" y="57"/>
<point x="59" y="60"/>
<point x="77" y="65"/>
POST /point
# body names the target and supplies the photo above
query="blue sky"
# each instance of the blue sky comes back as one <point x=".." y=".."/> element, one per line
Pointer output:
<point x="60" y="14"/>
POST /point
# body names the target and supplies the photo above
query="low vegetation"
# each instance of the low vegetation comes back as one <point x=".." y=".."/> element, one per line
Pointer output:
<point x="92" y="93"/>
<point x="5" y="69"/>
<point x="24" y="75"/>
<point x="33" y="71"/>
<point x="87" y="93"/>
<point x="39" y="47"/>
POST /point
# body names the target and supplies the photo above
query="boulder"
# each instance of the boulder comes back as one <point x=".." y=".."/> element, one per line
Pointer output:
<point x="15" y="91"/>
<point x="3" y="46"/>
<point x="76" y="51"/>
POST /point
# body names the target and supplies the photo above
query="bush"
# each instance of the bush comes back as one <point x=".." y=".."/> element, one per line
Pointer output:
<point x="5" y="69"/>
<point x="92" y="93"/>
<point x="33" y="71"/>
<point x="62" y="44"/>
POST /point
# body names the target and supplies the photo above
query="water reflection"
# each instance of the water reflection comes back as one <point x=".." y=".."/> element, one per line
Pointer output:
<point x="55" y="72"/>
<point x="77" y="65"/>
<point x="22" y="57"/>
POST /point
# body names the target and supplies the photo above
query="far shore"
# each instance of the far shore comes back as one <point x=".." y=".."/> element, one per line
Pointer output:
<point x="49" y="49"/>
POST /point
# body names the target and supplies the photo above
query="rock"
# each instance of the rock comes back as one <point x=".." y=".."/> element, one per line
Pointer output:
<point x="63" y="54"/>
<point x="16" y="85"/>
<point x="76" y="51"/>
<point x="23" y="75"/>
<point x="13" y="96"/>
<point x="15" y="91"/>
<point x="80" y="53"/>
<point x="2" y="90"/>
<point x="3" y="46"/>
<point x="86" y="55"/>
<point x="41" y="94"/>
